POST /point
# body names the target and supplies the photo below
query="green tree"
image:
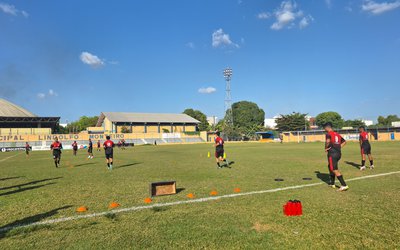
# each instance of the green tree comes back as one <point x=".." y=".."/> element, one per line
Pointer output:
<point x="247" y="115"/>
<point x="353" y="123"/>
<point x="200" y="116"/>
<point x="292" y="122"/>
<point x="125" y="130"/>
<point x="384" y="122"/>
<point x="333" y="117"/>
<point x="82" y="124"/>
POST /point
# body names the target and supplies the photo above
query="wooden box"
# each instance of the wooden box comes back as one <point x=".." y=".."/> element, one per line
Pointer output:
<point x="163" y="188"/>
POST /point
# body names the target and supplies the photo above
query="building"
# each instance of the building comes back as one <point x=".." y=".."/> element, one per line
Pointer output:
<point x="17" y="120"/>
<point x="368" y="122"/>
<point x="119" y="122"/>
<point x="212" y="120"/>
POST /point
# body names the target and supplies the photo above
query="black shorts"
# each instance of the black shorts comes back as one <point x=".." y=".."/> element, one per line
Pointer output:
<point x="333" y="160"/>
<point x="108" y="156"/>
<point x="75" y="149"/>
<point x="27" y="151"/>
<point x="56" y="154"/>
<point x="219" y="153"/>
<point x="90" y="150"/>
<point x="365" y="149"/>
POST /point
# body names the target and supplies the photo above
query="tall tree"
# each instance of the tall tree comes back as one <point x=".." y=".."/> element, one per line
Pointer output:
<point x="333" y="117"/>
<point x="82" y="123"/>
<point x="246" y="115"/>
<point x="353" y="123"/>
<point x="292" y="122"/>
<point x="200" y="116"/>
<point x="382" y="121"/>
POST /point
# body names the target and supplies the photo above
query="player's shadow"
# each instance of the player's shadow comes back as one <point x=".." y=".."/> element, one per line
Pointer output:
<point x="28" y="220"/>
<point x="353" y="164"/>
<point x="10" y="178"/>
<point x="129" y="164"/>
<point x="84" y="164"/>
<point x="322" y="176"/>
<point x="30" y="183"/>
<point x="19" y="190"/>
<point x="226" y="165"/>
<point x="178" y="190"/>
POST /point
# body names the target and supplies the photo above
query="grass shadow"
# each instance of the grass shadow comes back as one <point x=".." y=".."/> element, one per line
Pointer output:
<point x="84" y="164"/>
<point x="10" y="178"/>
<point x="28" y="220"/>
<point x="30" y="183"/>
<point x="323" y="177"/>
<point x="129" y="164"/>
<point x="178" y="190"/>
<point x="19" y="190"/>
<point x="353" y="164"/>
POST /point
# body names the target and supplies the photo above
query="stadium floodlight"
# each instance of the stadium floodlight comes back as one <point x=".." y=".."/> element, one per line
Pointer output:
<point x="228" y="98"/>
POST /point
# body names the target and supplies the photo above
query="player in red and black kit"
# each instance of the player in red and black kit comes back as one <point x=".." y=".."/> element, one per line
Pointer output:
<point x="333" y="146"/>
<point x="90" y="149"/>
<point x="56" y="146"/>
<point x="27" y="149"/>
<point x="365" y="149"/>
<point x="219" y="150"/>
<point x="109" y="150"/>
<point x="74" y="148"/>
<point x="98" y="145"/>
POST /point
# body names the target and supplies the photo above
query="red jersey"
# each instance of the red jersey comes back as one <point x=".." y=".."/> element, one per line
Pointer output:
<point x="219" y="142"/>
<point x="335" y="143"/>
<point x="108" y="144"/>
<point x="56" y="145"/>
<point x="27" y="146"/>
<point x="74" y="145"/>
<point x="364" y="136"/>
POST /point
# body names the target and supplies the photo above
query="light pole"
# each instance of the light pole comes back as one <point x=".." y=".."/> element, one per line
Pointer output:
<point x="228" y="98"/>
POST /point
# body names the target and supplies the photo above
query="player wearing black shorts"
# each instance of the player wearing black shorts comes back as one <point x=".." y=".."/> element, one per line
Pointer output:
<point x="109" y="151"/>
<point x="27" y="149"/>
<point x="74" y="148"/>
<point x="365" y="149"/>
<point x="56" y="147"/>
<point x="98" y="145"/>
<point x="333" y="146"/>
<point x="90" y="149"/>
<point x="219" y="150"/>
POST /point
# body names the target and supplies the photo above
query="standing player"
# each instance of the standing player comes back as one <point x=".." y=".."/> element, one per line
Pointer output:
<point x="98" y="145"/>
<point x="365" y="149"/>
<point x="90" y="149"/>
<point x="109" y="150"/>
<point x="219" y="150"/>
<point x="27" y="149"/>
<point x="74" y="147"/>
<point x="56" y="146"/>
<point x="333" y="145"/>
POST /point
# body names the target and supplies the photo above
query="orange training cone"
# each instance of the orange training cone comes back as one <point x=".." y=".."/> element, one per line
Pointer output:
<point x="236" y="190"/>
<point x="82" y="209"/>
<point x="190" y="196"/>
<point x="114" y="205"/>
<point x="147" y="200"/>
<point x="213" y="193"/>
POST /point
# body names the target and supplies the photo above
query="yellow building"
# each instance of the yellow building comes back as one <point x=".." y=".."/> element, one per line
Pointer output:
<point x="120" y="122"/>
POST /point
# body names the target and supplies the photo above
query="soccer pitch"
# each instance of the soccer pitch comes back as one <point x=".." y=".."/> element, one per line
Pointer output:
<point x="32" y="190"/>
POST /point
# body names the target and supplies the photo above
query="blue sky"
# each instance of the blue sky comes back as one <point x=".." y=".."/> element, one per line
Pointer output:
<point x="74" y="58"/>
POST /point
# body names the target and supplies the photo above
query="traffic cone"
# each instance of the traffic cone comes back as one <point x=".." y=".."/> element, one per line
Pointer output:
<point x="224" y="155"/>
<point x="209" y="155"/>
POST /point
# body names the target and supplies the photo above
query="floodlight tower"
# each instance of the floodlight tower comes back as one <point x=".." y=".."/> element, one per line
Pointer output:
<point x="228" y="98"/>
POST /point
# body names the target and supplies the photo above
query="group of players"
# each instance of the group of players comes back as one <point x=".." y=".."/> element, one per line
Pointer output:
<point x="334" y="143"/>
<point x="108" y="146"/>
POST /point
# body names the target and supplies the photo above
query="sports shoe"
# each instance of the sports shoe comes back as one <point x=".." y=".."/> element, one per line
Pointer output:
<point x="333" y="186"/>
<point x="362" y="168"/>
<point x="343" y="188"/>
<point x="88" y="157"/>
<point x="371" y="167"/>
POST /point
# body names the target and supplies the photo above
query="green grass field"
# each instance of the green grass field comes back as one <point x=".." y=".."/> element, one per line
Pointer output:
<point x="365" y="217"/>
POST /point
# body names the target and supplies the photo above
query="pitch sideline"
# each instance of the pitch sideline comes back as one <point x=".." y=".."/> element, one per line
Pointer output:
<point x="137" y="208"/>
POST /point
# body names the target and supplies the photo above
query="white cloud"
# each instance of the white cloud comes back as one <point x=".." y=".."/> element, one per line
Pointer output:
<point x="328" y="3"/>
<point x="92" y="60"/>
<point x="379" y="8"/>
<point x="12" y="10"/>
<point x="305" y="21"/>
<point x="263" y="15"/>
<point x="52" y="93"/>
<point x="207" y="90"/>
<point x="219" y="38"/>
<point x="190" y="45"/>
<point x="286" y="15"/>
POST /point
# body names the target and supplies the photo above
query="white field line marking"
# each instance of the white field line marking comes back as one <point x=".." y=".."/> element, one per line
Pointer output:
<point x="137" y="208"/>
<point x="9" y="157"/>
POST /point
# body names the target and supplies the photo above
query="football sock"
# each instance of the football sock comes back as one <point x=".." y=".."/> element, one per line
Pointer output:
<point x="342" y="182"/>
<point x="363" y="163"/>
<point x="218" y="164"/>
<point x="371" y="162"/>
<point x="108" y="165"/>
<point x="332" y="177"/>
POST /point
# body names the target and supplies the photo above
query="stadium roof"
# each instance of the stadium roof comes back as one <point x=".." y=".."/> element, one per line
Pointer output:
<point x="8" y="109"/>
<point x="145" y="118"/>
